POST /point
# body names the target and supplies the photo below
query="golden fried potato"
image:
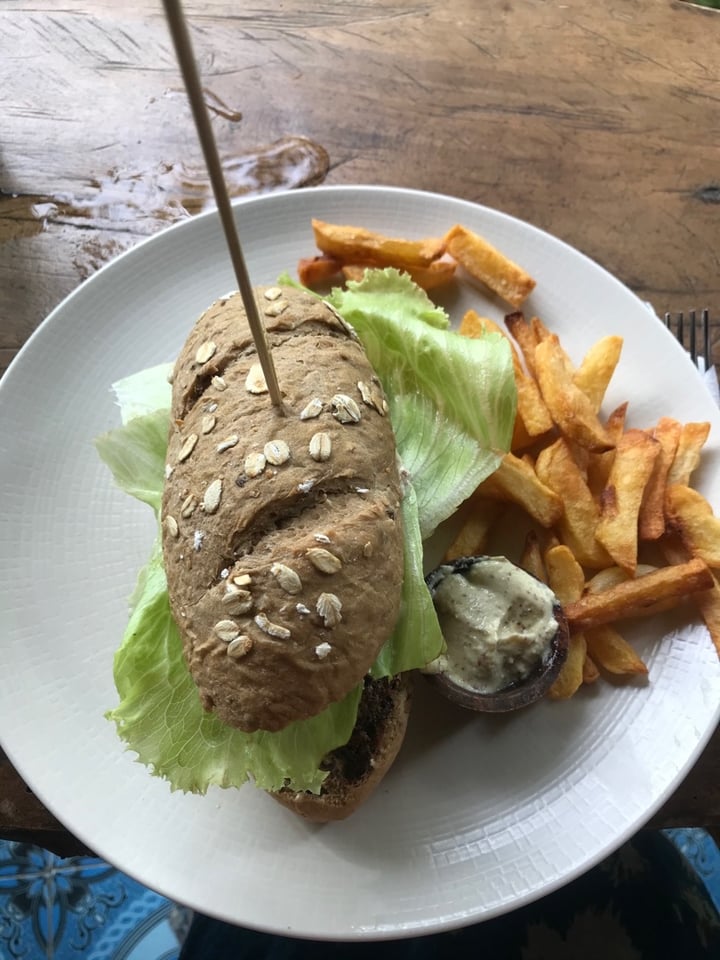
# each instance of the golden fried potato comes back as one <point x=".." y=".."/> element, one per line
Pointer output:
<point x="596" y="370"/>
<point x="638" y="596"/>
<point x="531" y="558"/>
<point x="358" y="245"/>
<point x="709" y="605"/>
<point x="483" y="262"/>
<point x="565" y="575"/>
<point x="690" y="516"/>
<point x="525" y="337"/>
<point x="571" y="675"/>
<point x="566" y="580"/>
<point x="591" y="674"/>
<point x="315" y="271"/>
<point x="478" y="517"/>
<point x="435" y="275"/>
<point x="687" y="456"/>
<point x="568" y="405"/>
<point x="540" y="330"/>
<point x="613" y="653"/>
<point x="557" y="469"/>
<point x="617" y="529"/>
<point x="651" y="524"/>
<point x="515" y="480"/>
<point x="598" y="465"/>
<point x="707" y="601"/>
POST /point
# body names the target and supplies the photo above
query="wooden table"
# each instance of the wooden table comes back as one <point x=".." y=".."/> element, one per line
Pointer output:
<point x="596" y="122"/>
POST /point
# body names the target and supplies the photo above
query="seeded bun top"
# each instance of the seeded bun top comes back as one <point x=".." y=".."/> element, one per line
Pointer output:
<point x="282" y="536"/>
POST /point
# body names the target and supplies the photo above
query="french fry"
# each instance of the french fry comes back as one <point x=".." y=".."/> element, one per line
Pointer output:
<point x="473" y="325"/>
<point x="566" y="580"/>
<point x="531" y="558"/>
<point x="599" y="464"/>
<point x="611" y="576"/>
<point x="354" y="271"/>
<point x="707" y="601"/>
<point x="709" y="605"/>
<point x="520" y="439"/>
<point x="540" y="331"/>
<point x="485" y="263"/>
<point x="568" y="405"/>
<point x="314" y="271"/>
<point x="570" y="678"/>
<point x="479" y="516"/>
<point x="613" y="653"/>
<point x="556" y="468"/>
<point x="591" y="674"/>
<point x="565" y="575"/>
<point x="525" y="337"/>
<point x="687" y="456"/>
<point x="358" y="245"/>
<point x="637" y="596"/>
<point x="651" y="524"/>
<point x="620" y="501"/>
<point x="435" y="275"/>
<point x="515" y="480"/>
<point x="532" y="409"/>
<point x="690" y="515"/>
<point x="596" y="370"/>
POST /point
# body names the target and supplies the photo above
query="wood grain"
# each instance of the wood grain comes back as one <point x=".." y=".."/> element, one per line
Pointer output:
<point x="596" y="122"/>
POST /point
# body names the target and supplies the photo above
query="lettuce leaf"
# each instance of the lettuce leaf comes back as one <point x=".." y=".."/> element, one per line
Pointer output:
<point x="136" y="454"/>
<point x="416" y="638"/>
<point x="452" y="398"/>
<point x="144" y="392"/>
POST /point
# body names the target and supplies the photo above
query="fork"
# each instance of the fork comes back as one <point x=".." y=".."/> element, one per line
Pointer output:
<point x="676" y="325"/>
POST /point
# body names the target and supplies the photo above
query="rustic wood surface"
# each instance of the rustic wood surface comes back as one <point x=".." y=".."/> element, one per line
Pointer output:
<point x="596" y="122"/>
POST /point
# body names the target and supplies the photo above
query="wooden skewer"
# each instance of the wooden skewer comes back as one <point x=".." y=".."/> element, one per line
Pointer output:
<point x="183" y="48"/>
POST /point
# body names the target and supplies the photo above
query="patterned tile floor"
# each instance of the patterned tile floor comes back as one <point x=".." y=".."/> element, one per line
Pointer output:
<point x="67" y="909"/>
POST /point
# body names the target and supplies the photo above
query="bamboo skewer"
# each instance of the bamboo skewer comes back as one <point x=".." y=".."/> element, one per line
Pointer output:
<point x="183" y="48"/>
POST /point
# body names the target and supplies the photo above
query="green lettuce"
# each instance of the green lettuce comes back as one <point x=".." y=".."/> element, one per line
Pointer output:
<point x="452" y="398"/>
<point x="452" y="406"/>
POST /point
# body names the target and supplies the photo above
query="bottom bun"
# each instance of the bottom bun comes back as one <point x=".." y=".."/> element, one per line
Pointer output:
<point x="356" y="769"/>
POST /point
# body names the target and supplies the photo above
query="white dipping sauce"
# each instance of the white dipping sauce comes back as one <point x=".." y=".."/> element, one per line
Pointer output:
<point x="498" y="622"/>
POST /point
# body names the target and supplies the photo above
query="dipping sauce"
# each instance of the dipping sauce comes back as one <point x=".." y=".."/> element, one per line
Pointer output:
<point x="499" y="623"/>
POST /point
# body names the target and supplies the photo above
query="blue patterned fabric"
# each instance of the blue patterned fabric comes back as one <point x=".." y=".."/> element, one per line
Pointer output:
<point x="700" y="849"/>
<point x="65" y="909"/>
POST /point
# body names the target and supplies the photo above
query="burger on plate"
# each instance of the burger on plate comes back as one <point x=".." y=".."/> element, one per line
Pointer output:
<point x="274" y="628"/>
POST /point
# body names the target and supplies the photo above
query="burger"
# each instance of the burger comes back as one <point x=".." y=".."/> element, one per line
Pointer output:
<point x="274" y="630"/>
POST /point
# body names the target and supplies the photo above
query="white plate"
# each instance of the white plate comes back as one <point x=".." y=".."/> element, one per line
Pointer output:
<point x="479" y="815"/>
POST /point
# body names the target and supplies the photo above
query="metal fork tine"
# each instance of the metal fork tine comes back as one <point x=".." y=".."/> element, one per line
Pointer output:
<point x="707" y="351"/>
<point x="693" y="341"/>
<point x="698" y="336"/>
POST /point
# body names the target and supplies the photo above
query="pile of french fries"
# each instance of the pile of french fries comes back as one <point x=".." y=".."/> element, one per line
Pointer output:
<point x="431" y="262"/>
<point x="609" y="516"/>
